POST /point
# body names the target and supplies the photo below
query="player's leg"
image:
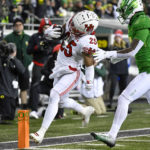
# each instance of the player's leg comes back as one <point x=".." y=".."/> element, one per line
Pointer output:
<point x="61" y="87"/>
<point x="137" y="87"/>
<point x="85" y="111"/>
<point x="49" y="116"/>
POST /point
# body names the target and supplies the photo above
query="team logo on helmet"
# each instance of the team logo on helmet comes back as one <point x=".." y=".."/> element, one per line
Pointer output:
<point x="127" y="8"/>
<point x="89" y="27"/>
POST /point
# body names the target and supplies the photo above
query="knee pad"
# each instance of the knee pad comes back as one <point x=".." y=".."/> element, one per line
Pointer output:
<point x="54" y="97"/>
<point x="123" y="100"/>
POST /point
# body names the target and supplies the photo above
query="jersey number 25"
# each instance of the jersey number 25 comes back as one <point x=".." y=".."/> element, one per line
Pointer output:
<point x="68" y="49"/>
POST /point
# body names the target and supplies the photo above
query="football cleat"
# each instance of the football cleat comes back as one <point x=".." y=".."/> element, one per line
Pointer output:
<point x="37" y="137"/>
<point x="89" y="110"/>
<point x="33" y="114"/>
<point x="105" y="138"/>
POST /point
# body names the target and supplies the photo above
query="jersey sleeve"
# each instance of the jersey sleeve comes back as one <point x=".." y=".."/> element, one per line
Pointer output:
<point x="141" y="35"/>
<point x="88" y="44"/>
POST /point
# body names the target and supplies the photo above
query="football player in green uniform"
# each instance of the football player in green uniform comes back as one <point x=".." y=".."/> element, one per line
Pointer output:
<point x="131" y="12"/>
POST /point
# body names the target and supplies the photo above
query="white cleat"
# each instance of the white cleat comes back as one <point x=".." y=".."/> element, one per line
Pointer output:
<point x="33" y="114"/>
<point x="89" y="110"/>
<point x="37" y="137"/>
<point x="107" y="139"/>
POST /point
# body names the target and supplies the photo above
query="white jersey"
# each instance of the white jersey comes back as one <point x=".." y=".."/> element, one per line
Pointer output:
<point x="70" y="58"/>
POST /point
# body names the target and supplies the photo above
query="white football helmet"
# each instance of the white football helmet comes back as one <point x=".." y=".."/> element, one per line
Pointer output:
<point x="84" y="22"/>
<point x="127" y="8"/>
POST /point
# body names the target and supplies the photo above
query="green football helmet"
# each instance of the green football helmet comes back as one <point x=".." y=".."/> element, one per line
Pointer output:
<point x="127" y="8"/>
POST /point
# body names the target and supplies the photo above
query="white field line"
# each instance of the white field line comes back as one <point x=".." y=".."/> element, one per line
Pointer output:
<point x="84" y="134"/>
<point x="84" y="142"/>
<point x="92" y="144"/>
<point x="90" y="141"/>
<point x="125" y="137"/>
<point x="41" y="147"/>
<point x="130" y="140"/>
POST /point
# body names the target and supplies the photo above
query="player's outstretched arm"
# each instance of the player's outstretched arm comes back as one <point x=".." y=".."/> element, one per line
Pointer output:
<point x="89" y="70"/>
<point x="117" y="56"/>
<point x="135" y="46"/>
<point x="101" y="54"/>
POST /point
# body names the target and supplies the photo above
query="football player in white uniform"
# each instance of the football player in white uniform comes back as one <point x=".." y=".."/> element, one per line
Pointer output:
<point x="77" y="48"/>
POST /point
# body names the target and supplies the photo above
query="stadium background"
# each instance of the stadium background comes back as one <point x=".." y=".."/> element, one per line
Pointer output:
<point x="105" y="36"/>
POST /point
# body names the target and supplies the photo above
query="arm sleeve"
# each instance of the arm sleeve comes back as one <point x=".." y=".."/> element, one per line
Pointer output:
<point x="89" y="74"/>
<point x="133" y="52"/>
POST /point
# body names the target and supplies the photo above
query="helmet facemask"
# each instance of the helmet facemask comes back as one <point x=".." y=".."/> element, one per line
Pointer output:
<point x="127" y="8"/>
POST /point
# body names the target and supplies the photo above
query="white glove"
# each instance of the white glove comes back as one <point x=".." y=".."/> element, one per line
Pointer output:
<point x="101" y="54"/>
<point x="88" y="85"/>
<point x="53" y="32"/>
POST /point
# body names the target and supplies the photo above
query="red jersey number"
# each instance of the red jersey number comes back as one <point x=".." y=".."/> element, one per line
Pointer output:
<point x="93" y="41"/>
<point x="68" y="51"/>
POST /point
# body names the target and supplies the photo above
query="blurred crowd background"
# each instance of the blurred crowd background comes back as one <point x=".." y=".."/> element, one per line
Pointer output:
<point x="57" y="8"/>
<point x="35" y="53"/>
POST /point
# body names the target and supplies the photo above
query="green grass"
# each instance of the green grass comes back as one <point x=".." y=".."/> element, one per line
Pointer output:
<point x="139" y="143"/>
<point x="71" y="125"/>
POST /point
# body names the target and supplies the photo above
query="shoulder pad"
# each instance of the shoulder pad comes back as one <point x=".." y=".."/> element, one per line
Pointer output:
<point x="89" y="44"/>
<point x="143" y="22"/>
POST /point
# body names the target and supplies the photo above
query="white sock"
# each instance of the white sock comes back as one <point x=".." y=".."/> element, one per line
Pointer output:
<point x="51" y="110"/>
<point x="72" y="104"/>
<point x="120" y="116"/>
<point x="42" y="131"/>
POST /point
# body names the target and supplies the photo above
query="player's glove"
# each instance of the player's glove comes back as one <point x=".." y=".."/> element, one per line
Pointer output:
<point x="53" y="32"/>
<point x="89" y="85"/>
<point x="101" y="54"/>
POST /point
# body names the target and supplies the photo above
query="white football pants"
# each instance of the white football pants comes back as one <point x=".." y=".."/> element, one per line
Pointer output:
<point x="138" y="87"/>
<point x="66" y="83"/>
<point x="59" y="96"/>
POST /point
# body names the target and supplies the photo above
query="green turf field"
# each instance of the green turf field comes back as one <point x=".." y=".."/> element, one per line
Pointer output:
<point x="71" y="125"/>
<point x="138" y="143"/>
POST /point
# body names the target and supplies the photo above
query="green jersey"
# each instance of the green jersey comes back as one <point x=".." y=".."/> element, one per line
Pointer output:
<point x="139" y="28"/>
